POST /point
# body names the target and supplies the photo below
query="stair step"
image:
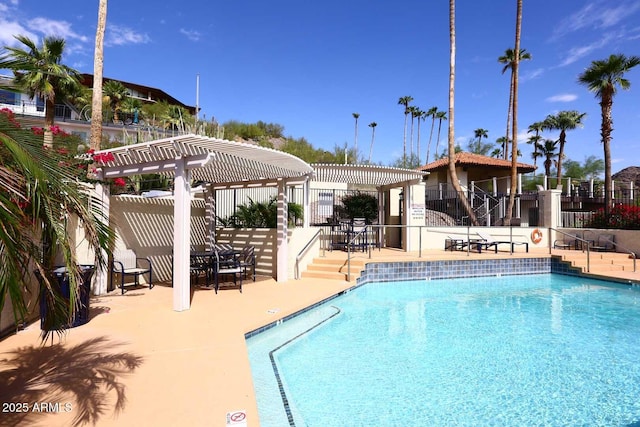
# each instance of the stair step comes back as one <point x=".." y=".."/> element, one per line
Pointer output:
<point x="329" y="275"/>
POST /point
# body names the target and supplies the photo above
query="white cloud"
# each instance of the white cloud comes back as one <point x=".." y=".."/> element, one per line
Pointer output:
<point x="192" y="35"/>
<point x="597" y="15"/>
<point x="50" y="27"/>
<point x="562" y="97"/>
<point x="579" y="52"/>
<point x="118" y="36"/>
<point x="531" y="75"/>
<point x="10" y="29"/>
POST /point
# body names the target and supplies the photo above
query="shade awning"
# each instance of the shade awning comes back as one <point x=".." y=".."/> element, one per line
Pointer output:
<point x="209" y="159"/>
<point x="379" y="176"/>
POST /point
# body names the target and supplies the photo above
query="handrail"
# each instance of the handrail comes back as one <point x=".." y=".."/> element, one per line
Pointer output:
<point x="349" y="242"/>
<point x="305" y="248"/>
<point x="617" y="245"/>
<point x="578" y="239"/>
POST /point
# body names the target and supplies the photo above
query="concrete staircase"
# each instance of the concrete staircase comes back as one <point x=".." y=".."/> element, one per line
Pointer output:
<point x="599" y="261"/>
<point x="333" y="269"/>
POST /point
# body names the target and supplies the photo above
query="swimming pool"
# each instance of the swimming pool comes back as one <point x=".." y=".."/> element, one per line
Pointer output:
<point x="514" y="350"/>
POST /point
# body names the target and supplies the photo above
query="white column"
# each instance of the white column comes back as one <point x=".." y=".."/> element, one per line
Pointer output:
<point x="210" y="217"/>
<point x="181" y="237"/>
<point x="101" y="276"/>
<point x="282" y="234"/>
<point x="306" y="195"/>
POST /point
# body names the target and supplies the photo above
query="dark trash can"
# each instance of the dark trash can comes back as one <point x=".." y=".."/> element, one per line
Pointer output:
<point x="81" y="315"/>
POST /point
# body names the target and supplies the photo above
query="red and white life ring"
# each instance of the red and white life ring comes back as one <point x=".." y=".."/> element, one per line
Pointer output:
<point x="536" y="236"/>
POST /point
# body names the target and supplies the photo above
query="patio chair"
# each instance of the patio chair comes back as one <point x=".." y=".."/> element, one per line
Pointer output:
<point x="248" y="260"/>
<point x="604" y="243"/>
<point x="358" y="226"/>
<point x="126" y="263"/>
<point x="226" y="265"/>
<point x="566" y="242"/>
<point x="200" y="263"/>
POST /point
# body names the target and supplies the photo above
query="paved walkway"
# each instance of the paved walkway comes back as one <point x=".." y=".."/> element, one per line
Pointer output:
<point x="138" y="362"/>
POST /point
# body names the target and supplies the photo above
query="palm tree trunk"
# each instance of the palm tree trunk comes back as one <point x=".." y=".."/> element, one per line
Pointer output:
<point x="607" y="102"/>
<point x="563" y="137"/>
<point x="505" y="151"/>
<point x="451" y="136"/>
<point x="373" y="135"/>
<point x="418" y="142"/>
<point x="96" y="97"/>
<point x="49" y="115"/>
<point x="433" y="123"/>
<point x="514" y="139"/>
<point x="404" y="141"/>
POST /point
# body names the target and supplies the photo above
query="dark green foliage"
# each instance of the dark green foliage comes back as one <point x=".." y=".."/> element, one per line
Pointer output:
<point x="260" y="215"/>
<point x="252" y="131"/>
<point x="361" y="205"/>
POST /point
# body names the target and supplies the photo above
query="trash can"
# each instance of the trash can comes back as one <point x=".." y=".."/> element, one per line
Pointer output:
<point x="81" y="315"/>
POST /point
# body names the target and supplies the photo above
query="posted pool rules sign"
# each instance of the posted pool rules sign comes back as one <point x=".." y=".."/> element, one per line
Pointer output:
<point x="237" y="418"/>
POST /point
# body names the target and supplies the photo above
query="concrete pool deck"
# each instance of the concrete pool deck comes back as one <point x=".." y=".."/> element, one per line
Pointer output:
<point x="168" y="368"/>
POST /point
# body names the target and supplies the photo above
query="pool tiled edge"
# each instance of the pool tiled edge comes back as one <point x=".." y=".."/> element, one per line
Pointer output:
<point x="446" y="269"/>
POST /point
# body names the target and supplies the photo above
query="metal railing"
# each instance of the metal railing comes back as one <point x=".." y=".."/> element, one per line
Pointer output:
<point x="585" y="243"/>
<point x="617" y="246"/>
<point x="306" y="247"/>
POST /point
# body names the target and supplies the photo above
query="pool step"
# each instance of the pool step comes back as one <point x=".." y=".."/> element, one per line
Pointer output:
<point x="333" y="269"/>
<point x="599" y="261"/>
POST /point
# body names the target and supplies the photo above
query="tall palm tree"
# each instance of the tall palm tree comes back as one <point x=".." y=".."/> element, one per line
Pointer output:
<point x="514" y="107"/>
<point x="431" y="112"/>
<point x="404" y="101"/>
<point x="39" y="72"/>
<point x="603" y="78"/>
<point x="440" y="115"/>
<point x="37" y="189"/>
<point x="451" y="136"/>
<point x="116" y="93"/>
<point x="509" y="59"/>
<point x="412" y="111"/>
<point x="420" y="116"/>
<point x="355" y="140"/>
<point x="536" y="127"/>
<point x="563" y="121"/>
<point x="372" y="125"/>
<point x="95" y="139"/>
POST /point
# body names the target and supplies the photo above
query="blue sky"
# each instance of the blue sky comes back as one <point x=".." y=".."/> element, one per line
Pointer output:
<point x="309" y="65"/>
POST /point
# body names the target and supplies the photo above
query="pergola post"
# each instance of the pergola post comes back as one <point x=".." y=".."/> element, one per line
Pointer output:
<point x="282" y="270"/>
<point x="306" y="190"/>
<point x="210" y="217"/>
<point x="101" y="276"/>
<point x="181" y="236"/>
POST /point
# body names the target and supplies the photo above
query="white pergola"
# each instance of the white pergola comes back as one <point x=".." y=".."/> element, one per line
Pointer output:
<point x="218" y="163"/>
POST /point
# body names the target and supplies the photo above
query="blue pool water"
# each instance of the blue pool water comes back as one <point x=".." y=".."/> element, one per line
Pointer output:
<point x="546" y="349"/>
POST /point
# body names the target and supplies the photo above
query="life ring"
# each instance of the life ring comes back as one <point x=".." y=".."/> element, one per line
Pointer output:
<point x="536" y="236"/>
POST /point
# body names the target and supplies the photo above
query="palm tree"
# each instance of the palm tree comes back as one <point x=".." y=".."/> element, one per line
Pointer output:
<point x="431" y="112"/>
<point x="548" y="151"/>
<point x="451" y="136"/>
<point x="404" y="101"/>
<point x="98" y="62"/>
<point x="440" y="115"/>
<point x="37" y="189"/>
<point x="514" y="107"/>
<point x="372" y="125"/>
<point x="509" y="59"/>
<point x="603" y="78"/>
<point x="480" y="133"/>
<point x="536" y="127"/>
<point x="413" y="110"/>
<point x="563" y="121"/>
<point x="355" y="140"/>
<point x="116" y="93"/>
<point x="38" y="71"/>
<point x="420" y="115"/>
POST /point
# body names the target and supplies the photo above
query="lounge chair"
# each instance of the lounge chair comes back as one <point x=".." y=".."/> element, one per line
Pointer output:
<point x="486" y="242"/>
